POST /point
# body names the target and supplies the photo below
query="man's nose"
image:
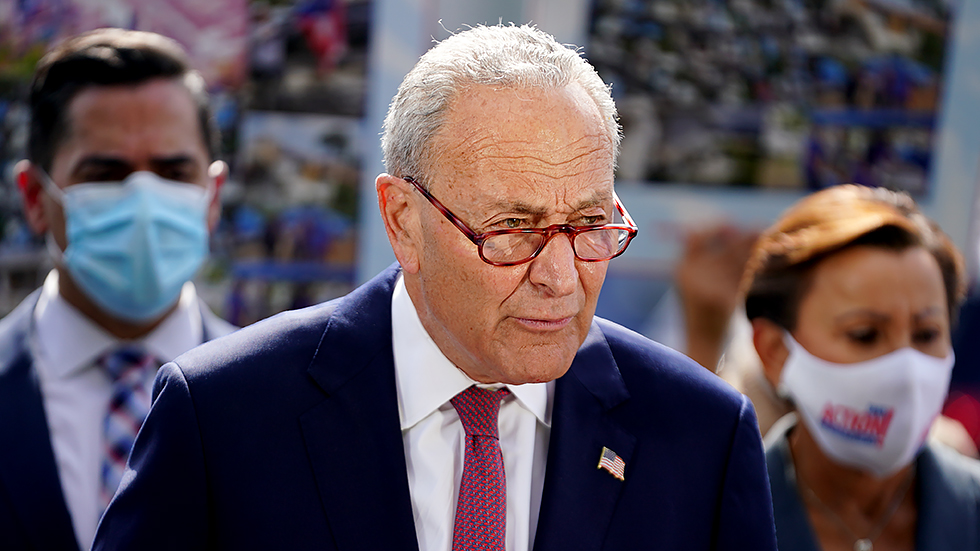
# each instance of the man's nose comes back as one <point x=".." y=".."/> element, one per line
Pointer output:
<point x="554" y="269"/>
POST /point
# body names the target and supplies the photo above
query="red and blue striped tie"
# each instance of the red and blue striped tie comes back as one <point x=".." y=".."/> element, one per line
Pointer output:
<point x="481" y="512"/>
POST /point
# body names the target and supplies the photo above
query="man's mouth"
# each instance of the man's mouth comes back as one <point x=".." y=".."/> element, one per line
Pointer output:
<point x="544" y="324"/>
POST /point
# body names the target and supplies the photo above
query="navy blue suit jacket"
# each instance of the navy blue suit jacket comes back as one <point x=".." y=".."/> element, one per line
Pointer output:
<point x="33" y="514"/>
<point x="285" y="435"/>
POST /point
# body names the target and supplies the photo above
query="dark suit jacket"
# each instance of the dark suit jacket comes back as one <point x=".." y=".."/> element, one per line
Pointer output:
<point x="285" y="435"/>
<point x="947" y="494"/>
<point x="33" y="514"/>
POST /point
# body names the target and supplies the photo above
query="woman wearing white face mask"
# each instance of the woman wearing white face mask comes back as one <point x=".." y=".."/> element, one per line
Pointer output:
<point x="850" y="295"/>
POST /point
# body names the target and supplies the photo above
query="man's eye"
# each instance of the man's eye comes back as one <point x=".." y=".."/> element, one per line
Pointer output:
<point x="511" y="223"/>
<point x="596" y="220"/>
<point x="103" y="176"/>
<point x="178" y="174"/>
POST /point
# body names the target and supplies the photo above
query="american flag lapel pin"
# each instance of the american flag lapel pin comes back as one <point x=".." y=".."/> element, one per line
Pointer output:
<point x="612" y="463"/>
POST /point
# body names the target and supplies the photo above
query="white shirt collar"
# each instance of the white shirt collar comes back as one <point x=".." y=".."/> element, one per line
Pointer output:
<point x="426" y="379"/>
<point x="69" y="341"/>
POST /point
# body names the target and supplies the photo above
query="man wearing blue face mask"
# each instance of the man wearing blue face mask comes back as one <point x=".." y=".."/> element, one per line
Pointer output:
<point x="122" y="183"/>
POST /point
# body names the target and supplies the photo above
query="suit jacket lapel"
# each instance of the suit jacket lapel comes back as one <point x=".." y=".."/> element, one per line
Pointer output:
<point x="353" y="437"/>
<point x="578" y="498"/>
<point x="27" y="465"/>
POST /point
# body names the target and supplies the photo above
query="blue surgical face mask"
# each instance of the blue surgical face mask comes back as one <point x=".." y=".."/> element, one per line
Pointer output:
<point x="132" y="245"/>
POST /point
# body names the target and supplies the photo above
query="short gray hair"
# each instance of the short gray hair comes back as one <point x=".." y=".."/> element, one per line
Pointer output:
<point x="509" y="56"/>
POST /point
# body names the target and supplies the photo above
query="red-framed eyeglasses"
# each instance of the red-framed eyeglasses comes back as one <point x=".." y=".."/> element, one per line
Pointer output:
<point x="516" y="246"/>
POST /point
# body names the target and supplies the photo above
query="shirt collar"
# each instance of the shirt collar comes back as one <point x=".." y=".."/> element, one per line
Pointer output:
<point x="70" y="341"/>
<point x="426" y="379"/>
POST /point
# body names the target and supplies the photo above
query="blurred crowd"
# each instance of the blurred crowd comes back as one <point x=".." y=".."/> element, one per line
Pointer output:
<point x="775" y="94"/>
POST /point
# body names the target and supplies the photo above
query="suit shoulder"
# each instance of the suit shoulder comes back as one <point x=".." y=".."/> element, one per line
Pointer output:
<point x="286" y="339"/>
<point x="647" y="365"/>
<point x="14" y="329"/>
<point x="959" y="471"/>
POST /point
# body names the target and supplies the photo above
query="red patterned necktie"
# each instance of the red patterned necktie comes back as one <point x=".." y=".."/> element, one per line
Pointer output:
<point x="129" y="368"/>
<point x="481" y="512"/>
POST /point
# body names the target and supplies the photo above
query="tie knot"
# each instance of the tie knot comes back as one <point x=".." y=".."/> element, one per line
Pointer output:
<point x="477" y="408"/>
<point x="126" y="362"/>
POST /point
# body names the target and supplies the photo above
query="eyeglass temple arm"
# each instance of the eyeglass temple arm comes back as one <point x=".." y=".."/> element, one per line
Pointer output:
<point x="470" y="234"/>
<point x="622" y="210"/>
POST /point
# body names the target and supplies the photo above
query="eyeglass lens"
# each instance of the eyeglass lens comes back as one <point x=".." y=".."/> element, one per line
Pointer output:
<point x="594" y="244"/>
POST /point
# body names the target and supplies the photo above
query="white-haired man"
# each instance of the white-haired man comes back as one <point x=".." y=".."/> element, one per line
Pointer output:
<point x="465" y="398"/>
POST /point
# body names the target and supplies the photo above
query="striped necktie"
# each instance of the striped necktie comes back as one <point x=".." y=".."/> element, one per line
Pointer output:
<point x="130" y="368"/>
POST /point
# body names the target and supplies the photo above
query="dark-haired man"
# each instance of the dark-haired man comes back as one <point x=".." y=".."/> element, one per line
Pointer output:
<point x="122" y="183"/>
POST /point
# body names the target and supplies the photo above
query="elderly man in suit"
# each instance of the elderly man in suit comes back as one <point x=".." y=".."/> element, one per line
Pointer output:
<point x="465" y="398"/>
<point x="121" y="181"/>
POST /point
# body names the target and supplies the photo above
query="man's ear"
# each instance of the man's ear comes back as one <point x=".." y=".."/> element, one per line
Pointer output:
<point x="29" y="185"/>
<point x="769" y="344"/>
<point x="218" y="172"/>
<point x="401" y="220"/>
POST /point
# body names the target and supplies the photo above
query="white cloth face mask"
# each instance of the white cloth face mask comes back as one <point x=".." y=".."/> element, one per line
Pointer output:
<point x="872" y="415"/>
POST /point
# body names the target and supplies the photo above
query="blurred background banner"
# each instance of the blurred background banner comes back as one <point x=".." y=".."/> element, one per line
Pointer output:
<point x="774" y="95"/>
<point x="734" y="110"/>
<point x="288" y="83"/>
<point x="215" y="32"/>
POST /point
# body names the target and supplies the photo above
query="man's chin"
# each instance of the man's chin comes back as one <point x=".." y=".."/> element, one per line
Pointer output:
<point x="544" y="378"/>
<point x="518" y="357"/>
<point x="535" y="366"/>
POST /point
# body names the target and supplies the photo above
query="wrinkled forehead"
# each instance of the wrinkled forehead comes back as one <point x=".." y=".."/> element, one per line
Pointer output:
<point x="552" y="141"/>
<point x="551" y="114"/>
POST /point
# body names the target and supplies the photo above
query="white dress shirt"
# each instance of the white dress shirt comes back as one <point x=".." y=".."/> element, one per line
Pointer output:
<point x="434" y="438"/>
<point x="76" y="392"/>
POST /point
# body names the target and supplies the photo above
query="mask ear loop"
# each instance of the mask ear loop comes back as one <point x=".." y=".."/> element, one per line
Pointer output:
<point x="56" y="193"/>
<point x="789" y="341"/>
<point x="210" y="192"/>
<point x="794" y="349"/>
<point x="57" y="255"/>
<point x="49" y="186"/>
